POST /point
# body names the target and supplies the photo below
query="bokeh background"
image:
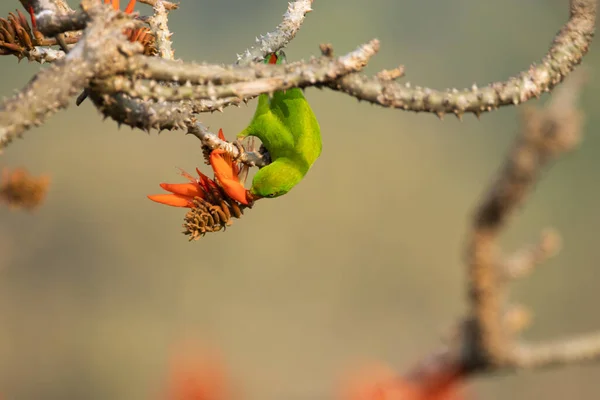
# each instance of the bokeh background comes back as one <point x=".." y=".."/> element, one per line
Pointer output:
<point x="362" y="261"/>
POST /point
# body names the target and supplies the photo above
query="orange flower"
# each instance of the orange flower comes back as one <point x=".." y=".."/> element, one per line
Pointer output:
<point x="379" y="382"/>
<point x="226" y="176"/>
<point x="21" y="190"/>
<point x="183" y="194"/>
<point x="198" y="374"/>
<point x="227" y="173"/>
<point x="115" y="4"/>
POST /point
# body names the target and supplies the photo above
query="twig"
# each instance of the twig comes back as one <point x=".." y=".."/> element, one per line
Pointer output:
<point x="281" y="36"/>
<point x="213" y="142"/>
<point x="558" y="353"/>
<point x="167" y="4"/>
<point x="43" y="54"/>
<point x="522" y="262"/>
<point x="52" y="23"/>
<point x="160" y="28"/>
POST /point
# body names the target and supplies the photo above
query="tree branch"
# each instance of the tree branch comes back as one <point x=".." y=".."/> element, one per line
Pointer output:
<point x="545" y="136"/>
<point x="220" y="82"/>
<point x="488" y="340"/>
<point x="160" y="28"/>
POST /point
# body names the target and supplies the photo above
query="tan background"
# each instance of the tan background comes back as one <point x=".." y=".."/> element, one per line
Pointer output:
<point x="361" y="261"/>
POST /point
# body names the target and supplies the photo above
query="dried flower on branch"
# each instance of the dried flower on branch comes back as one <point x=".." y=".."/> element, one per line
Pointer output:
<point x="213" y="203"/>
<point x="18" y="38"/>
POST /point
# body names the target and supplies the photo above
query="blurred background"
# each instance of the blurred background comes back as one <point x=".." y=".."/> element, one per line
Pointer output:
<point x="362" y="261"/>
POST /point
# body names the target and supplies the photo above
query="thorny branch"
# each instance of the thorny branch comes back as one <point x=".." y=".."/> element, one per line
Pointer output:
<point x="568" y="49"/>
<point x="172" y="105"/>
<point x="221" y="82"/>
<point x="159" y="26"/>
<point x="93" y="55"/>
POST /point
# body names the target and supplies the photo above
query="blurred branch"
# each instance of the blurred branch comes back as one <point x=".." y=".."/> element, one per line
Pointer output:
<point x="545" y="135"/>
<point x="488" y="340"/>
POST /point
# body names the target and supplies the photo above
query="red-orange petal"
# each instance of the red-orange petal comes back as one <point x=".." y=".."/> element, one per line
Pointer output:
<point x="175" y="200"/>
<point x="235" y="190"/>
<point x="227" y="157"/>
<point x="184" y="189"/>
<point x="226" y="173"/>
<point x="203" y="181"/>
<point x="273" y="58"/>
<point x="32" y="15"/>
<point x="130" y="7"/>
<point x="221" y="165"/>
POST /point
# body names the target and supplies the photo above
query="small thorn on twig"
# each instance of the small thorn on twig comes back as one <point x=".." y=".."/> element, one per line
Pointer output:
<point x="391" y="74"/>
<point x="326" y="49"/>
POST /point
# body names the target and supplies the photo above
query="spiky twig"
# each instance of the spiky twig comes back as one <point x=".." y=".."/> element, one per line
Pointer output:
<point x="281" y="36"/>
<point x="212" y="142"/>
<point x="160" y="28"/>
<point x="167" y="4"/>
